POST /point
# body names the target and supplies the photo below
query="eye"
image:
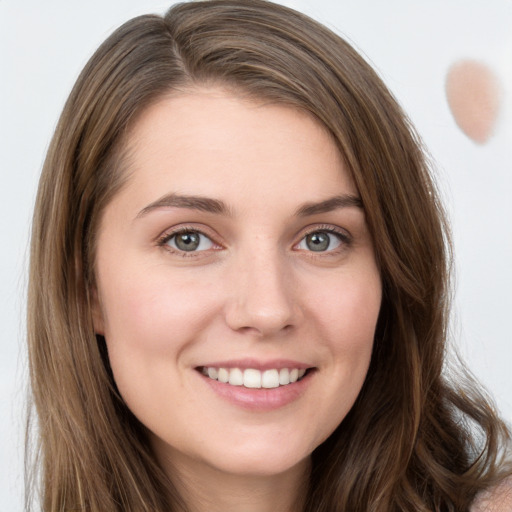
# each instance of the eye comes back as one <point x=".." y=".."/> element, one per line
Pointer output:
<point x="321" y="241"/>
<point x="189" y="241"/>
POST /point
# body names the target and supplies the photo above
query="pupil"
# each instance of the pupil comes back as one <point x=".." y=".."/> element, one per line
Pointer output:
<point x="187" y="241"/>
<point x="317" y="241"/>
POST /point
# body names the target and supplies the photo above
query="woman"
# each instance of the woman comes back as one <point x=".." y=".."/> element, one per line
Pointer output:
<point x="239" y="283"/>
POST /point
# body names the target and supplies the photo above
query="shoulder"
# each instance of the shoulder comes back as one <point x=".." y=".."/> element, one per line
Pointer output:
<point x="497" y="499"/>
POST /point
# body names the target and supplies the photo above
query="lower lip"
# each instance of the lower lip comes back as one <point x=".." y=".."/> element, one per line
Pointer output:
<point x="260" y="399"/>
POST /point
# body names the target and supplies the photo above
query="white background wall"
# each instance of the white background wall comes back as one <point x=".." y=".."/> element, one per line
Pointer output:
<point x="44" y="44"/>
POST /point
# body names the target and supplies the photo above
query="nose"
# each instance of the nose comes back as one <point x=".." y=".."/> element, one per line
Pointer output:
<point x="262" y="296"/>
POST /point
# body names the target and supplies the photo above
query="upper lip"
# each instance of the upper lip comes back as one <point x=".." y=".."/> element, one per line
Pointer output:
<point x="257" y="364"/>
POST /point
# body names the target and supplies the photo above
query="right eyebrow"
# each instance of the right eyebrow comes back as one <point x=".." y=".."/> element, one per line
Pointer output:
<point x="204" y="204"/>
<point x="328" y="205"/>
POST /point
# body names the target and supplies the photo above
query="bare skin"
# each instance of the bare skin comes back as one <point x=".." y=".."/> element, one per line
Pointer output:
<point x="214" y="491"/>
<point x="498" y="499"/>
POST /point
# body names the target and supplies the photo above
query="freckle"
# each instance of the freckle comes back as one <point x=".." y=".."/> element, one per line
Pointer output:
<point x="474" y="97"/>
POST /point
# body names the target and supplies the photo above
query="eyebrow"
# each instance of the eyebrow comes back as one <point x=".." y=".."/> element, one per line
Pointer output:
<point x="329" y="205"/>
<point x="218" y="207"/>
<point x="204" y="204"/>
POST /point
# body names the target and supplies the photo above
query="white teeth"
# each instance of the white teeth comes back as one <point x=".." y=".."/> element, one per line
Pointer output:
<point x="252" y="378"/>
<point x="223" y="375"/>
<point x="255" y="379"/>
<point x="270" y="379"/>
<point x="236" y="377"/>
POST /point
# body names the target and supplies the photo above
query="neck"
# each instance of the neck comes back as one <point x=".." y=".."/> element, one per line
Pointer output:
<point x="207" y="489"/>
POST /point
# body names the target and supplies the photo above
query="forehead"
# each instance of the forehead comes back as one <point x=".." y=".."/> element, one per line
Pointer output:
<point x="214" y="143"/>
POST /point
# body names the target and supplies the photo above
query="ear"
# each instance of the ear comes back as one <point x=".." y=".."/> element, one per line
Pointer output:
<point x="96" y="312"/>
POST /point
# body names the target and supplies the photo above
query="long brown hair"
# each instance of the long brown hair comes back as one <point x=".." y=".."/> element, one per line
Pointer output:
<point x="413" y="440"/>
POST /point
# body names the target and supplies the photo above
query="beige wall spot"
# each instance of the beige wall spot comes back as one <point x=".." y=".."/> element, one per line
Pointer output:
<point x="474" y="97"/>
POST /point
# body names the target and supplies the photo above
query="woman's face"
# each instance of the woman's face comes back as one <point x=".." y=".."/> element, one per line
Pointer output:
<point x="237" y="251"/>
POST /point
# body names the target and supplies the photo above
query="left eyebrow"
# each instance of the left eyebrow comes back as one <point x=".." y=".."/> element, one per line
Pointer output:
<point x="201" y="203"/>
<point x="328" y="205"/>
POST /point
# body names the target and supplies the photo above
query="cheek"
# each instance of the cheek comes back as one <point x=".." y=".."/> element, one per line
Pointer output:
<point x="150" y="311"/>
<point x="346" y="315"/>
<point x="347" y="308"/>
<point x="149" y="321"/>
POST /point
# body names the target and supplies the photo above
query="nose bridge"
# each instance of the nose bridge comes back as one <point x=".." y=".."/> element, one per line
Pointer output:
<point x="262" y="291"/>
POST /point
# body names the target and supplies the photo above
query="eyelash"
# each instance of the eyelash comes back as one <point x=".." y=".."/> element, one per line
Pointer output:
<point x="164" y="239"/>
<point x="344" y="238"/>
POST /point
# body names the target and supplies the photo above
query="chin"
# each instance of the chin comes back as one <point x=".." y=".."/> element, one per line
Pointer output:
<point x="259" y="460"/>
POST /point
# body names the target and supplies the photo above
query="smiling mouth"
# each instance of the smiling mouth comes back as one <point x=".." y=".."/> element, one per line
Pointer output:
<point x="255" y="379"/>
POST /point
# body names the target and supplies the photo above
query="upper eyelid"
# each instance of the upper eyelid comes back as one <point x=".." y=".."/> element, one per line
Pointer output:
<point x="169" y="236"/>
<point x="170" y="232"/>
<point x="331" y="228"/>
